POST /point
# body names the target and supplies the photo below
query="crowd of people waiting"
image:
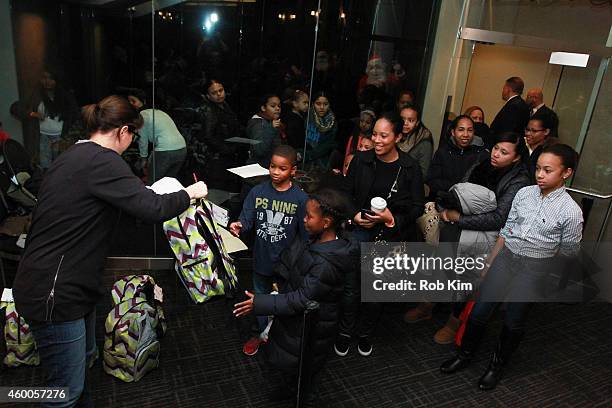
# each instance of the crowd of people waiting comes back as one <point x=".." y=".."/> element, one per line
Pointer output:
<point x="379" y="154"/>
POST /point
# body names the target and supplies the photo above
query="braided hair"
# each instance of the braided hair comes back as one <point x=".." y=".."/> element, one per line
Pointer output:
<point x="334" y="205"/>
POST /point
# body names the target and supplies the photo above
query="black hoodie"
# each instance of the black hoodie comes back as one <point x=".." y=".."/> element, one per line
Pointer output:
<point x="306" y="271"/>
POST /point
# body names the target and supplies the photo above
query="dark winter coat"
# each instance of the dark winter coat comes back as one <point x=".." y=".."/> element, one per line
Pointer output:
<point x="295" y="128"/>
<point x="507" y="185"/>
<point x="450" y="163"/>
<point x="306" y="272"/>
<point x="269" y="137"/>
<point x="218" y="124"/>
<point x="406" y="204"/>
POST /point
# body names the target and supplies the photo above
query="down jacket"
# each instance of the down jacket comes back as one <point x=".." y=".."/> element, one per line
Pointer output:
<point x="505" y="190"/>
<point x="475" y="199"/>
<point x="305" y="272"/>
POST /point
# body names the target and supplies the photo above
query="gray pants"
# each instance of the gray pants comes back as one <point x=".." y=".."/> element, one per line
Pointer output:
<point x="166" y="164"/>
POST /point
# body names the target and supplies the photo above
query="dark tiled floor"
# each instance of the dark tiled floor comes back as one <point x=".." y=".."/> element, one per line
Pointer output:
<point x="564" y="361"/>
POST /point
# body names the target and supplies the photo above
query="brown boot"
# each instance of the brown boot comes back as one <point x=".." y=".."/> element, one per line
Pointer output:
<point x="421" y="312"/>
<point x="446" y="335"/>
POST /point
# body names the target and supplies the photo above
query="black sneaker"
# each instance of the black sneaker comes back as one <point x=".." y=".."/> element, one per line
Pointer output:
<point x="364" y="346"/>
<point x="343" y="343"/>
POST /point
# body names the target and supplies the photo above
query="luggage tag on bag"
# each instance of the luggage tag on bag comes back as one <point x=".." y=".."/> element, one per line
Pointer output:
<point x="158" y="294"/>
<point x="219" y="214"/>
<point x="7" y="295"/>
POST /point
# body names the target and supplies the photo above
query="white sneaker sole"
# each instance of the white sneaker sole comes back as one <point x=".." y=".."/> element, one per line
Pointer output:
<point x="364" y="353"/>
<point x="340" y="353"/>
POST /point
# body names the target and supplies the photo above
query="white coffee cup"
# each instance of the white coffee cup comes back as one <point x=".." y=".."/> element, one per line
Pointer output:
<point x="378" y="204"/>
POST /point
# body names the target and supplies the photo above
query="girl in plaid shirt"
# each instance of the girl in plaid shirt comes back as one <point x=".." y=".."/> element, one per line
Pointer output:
<point x="544" y="227"/>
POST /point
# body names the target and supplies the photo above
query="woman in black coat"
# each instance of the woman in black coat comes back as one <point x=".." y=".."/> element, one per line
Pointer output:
<point x="389" y="173"/>
<point x="453" y="159"/>
<point x="219" y="122"/>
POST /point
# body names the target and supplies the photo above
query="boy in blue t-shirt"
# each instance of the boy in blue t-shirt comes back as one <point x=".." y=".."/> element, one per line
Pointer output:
<point x="275" y="209"/>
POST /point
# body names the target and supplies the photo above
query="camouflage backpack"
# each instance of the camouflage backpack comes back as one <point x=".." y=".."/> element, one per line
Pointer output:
<point x="20" y="343"/>
<point x="132" y="329"/>
<point x="202" y="262"/>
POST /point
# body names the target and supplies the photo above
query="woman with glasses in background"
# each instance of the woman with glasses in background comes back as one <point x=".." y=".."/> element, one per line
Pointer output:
<point x="59" y="279"/>
<point x="538" y="137"/>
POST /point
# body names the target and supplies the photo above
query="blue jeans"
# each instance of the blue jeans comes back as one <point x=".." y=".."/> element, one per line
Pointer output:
<point x="64" y="349"/>
<point x="262" y="285"/>
<point x="49" y="149"/>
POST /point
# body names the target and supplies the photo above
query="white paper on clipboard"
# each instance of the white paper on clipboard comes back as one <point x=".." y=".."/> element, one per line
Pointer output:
<point x="232" y="244"/>
<point x="250" y="170"/>
<point x="220" y="215"/>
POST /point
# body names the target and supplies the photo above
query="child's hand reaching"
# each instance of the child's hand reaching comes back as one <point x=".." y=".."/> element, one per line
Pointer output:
<point x="246" y="307"/>
<point x="235" y="228"/>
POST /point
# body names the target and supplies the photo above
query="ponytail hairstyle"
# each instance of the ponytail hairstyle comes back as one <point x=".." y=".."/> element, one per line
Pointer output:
<point x="520" y="148"/>
<point x="456" y="121"/>
<point x="396" y="121"/>
<point x="111" y="112"/>
<point x="334" y="205"/>
<point x="297" y="95"/>
<point x="568" y="156"/>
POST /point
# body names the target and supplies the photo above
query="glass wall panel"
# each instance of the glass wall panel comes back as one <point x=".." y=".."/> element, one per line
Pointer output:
<point x="164" y="53"/>
<point x="595" y="168"/>
<point x="68" y="55"/>
<point x="367" y="53"/>
<point x="571" y="98"/>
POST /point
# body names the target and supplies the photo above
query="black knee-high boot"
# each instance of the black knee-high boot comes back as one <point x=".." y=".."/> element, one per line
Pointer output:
<point x="469" y="343"/>
<point x="508" y="342"/>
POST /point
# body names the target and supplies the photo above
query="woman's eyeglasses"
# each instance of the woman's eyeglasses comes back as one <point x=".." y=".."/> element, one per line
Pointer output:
<point x="529" y="130"/>
<point x="135" y="134"/>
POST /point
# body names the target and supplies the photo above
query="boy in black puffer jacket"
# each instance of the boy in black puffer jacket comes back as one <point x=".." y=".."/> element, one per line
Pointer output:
<point x="312" y="271"/>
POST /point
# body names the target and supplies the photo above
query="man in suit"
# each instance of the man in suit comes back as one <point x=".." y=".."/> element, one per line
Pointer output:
<point x="514" y="115"/>
<point x="535" y="100"/>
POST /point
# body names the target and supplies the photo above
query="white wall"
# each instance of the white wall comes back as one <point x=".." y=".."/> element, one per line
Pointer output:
<point x="8" y="72"/>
